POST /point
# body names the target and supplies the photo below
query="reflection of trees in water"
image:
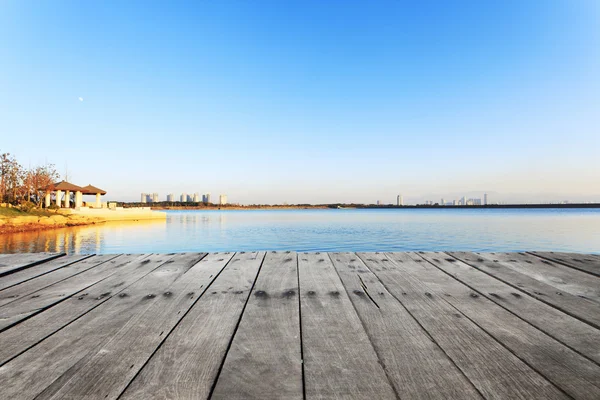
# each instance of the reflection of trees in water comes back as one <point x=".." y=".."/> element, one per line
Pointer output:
<point x="73" y="240"/>
<point x="69" y="240"/>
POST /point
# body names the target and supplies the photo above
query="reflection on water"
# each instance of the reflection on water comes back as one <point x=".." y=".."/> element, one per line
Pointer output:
<point x="78" y="239"/>
<point x="575" y="230"/>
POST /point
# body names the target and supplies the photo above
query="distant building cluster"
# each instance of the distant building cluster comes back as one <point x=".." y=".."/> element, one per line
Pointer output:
<point x="463" y="201"/>
<point x="183" y="198"/>
<point x="149" y="198"/>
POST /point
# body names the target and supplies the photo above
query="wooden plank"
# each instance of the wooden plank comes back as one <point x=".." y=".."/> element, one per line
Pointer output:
<point x="33" y="330"/>
<point x="37" y="302"/>
<point x="574" y="374"/>
<point x="561" y="277"/>
<point x="570" y="331"/>
<point x="107" y="371"/>
<point x="27" y="288"/>
<point x="493" y="369"/>
<point x="577" y="307"/>
<point x="265" y="360"/>
<point x="27" y="274"/>
<point x="417" y="367"/>
<point x="16" y="262"/>
<point x="187" y="364"/>
<point x="26" y="376"/>
<point x="589" y="263"/>
<point x="339" y="359"/>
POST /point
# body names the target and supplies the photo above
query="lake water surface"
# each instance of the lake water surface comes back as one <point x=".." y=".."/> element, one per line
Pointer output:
<point x="574" y="230"/>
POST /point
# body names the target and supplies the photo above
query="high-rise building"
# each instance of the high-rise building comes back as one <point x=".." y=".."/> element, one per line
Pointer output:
<point x="442" y="202"/>
<point x="399" y="200"/>
<point x="171" y="197"/>
<point x="155" y="197"/>
<point x="196" y="198"/>
<point x="485" y="199"/>
<point x="222" y="199"/>
<point x="143" y="198"/>
<point x="206" y="198"/>
<point x="183" y="197"/>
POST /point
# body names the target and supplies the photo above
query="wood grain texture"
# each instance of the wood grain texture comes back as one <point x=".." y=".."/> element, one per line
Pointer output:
<point x="49" y="296"/>
<point x="580" y="308"/>
<point x="589" y="263"/>
<point x="554" y="274"/>
<point x="416" y="366"/>
<point x="493" y="369"/>
<point x="576" y="375"/>
<point x="107" y="371"/>
<point x="570" y="331"/>
<point x="12" y="263"/>
<point x="7" y="296"/>
<point x="264" y="361"/>
<point x="33" y="330"/>
<point x="33" y="272"/>
<point x="26" y="376"/>
<point x="339" y="359"/>
<point x="187" y="363"/>
<point x="285" y="325"/>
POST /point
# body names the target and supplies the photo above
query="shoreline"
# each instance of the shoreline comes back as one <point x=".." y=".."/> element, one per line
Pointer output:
<point x="30" y="223"/>
<point x="372" y="207"/>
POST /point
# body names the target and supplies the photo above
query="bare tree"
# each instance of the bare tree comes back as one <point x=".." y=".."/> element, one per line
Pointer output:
<point x="11" y="178"/>
<point x="37" y="180"/>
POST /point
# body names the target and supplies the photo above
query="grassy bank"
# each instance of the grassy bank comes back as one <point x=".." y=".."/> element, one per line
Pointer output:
<point x="6" y="212"/>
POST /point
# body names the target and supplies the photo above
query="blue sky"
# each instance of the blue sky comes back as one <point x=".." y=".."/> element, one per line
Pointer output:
<point x="307" y="101"/>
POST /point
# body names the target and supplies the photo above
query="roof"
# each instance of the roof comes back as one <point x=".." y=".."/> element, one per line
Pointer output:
<point x="64" y="185"/>
<point x="89" y="189"/>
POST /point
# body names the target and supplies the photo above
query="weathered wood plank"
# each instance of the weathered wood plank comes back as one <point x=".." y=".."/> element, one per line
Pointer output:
<point x="576" y="375"/>
<point x="580" y="308"/>
<point x="493" y="369"/>
<point x="16" y="262"/>
<point x="26" y="334"/>
<point x="37" y="302"/>
<point x="339" y="359"/>
<point x="26" y="288"/>
<point x="589" y="263"/>
<point x="417" y="367"/>
<point x="26" y="376"/>
<point x="187" y="364"/>
<point x="570" y="331"/>
<point x="107" y="371"/>
<point x="561" y="277"/>
<point x="264" y="360"/>
<point x="27" y="274"/>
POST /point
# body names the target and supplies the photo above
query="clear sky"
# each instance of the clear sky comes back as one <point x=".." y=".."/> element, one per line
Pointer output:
<point x="307" y="101"/>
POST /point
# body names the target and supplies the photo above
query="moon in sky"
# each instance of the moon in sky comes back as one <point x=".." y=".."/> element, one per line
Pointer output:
<point x="81" y="99"/>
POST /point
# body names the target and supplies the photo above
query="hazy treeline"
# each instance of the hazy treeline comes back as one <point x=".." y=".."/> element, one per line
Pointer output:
<point x="19" y="184"/>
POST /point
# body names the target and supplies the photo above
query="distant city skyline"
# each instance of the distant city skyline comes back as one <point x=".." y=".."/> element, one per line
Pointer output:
<point x="473" y="198"/>
<point x="308" y="101"/>
<point x="183" y="198"/>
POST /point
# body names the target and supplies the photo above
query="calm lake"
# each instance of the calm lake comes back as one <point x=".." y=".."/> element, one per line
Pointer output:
<point x="575" y="230"/>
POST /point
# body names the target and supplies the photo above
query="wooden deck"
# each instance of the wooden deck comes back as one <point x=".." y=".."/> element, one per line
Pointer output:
<point x="286" y="325"/>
